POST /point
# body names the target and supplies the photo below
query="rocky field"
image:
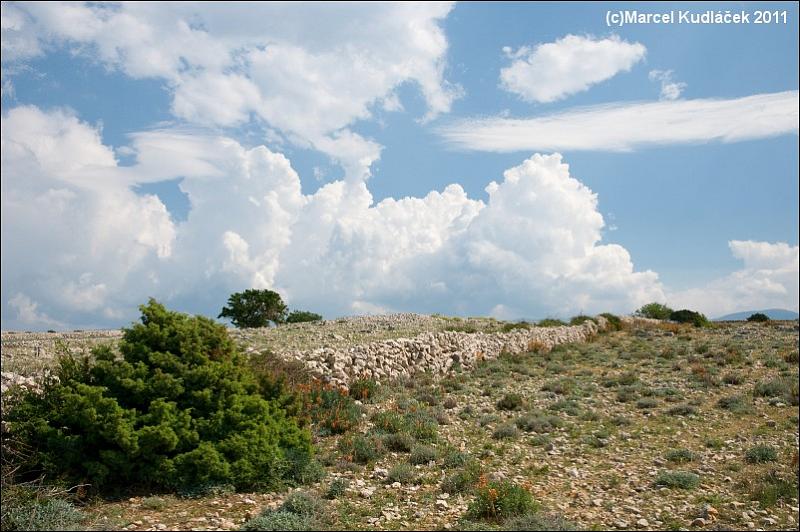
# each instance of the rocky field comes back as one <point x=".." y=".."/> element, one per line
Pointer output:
<point x="655" y="426"/>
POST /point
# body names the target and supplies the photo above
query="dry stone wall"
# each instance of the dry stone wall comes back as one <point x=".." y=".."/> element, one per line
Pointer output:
<point x="438" y="352"/>
<point x="435" y="353"/>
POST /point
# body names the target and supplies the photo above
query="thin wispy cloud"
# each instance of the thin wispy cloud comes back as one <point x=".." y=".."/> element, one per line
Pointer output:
<point x="627" y="126"/>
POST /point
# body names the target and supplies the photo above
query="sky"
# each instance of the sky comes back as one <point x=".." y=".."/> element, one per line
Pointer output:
<point x="518" y="160"/>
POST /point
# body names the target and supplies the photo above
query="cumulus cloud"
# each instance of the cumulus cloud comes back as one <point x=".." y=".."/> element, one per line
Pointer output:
<point x="769" y="279"/>
<point x="80" y="244"/>
<point x="627" y="126"/>
<point x="75" y="239"/>
<point x="552" y="71"/>
<point x="670" y="89"/>
<point x="307" y="70"/>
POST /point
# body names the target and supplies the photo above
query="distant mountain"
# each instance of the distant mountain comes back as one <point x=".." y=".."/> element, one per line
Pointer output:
<point x="773" y="313"/>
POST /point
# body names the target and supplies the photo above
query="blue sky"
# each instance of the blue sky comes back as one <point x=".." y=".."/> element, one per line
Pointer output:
<point x="371" y="104"/>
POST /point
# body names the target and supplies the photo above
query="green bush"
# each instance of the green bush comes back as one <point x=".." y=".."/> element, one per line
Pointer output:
<point x="538" y="422"/>
<point x="785" y="388"/>
<point x="254" y="308"/>
<point x="581" y="319"/>
<point x="614" y="322"/>
<point x="422" y="454"/>
<point x="680" y="456"/>
<point x="279" y="520"/>
<point x="550" y="322"/>
<point x="26" y="508"/>
<point x="510" y="401"/>
<point x="539" y="522"/>
<point x="501" y="500"/>
<point x="179" y="408"/>
<point x="758" y="317"/>
<point x="462" y="480"/>
<point x="678" y="479"/>
<point x="508" y="327"/>
<point x="689" y="316"/>
<point x="738" y="404"/>
<point x="402" y="473"/>
<point x="759" y="454"/>
<point x="655" y="311"/>
<point x="337" y="488"/>
<point x="302" y="316"/>
<point x="505" y="431"/>
<point x="363" y="389"/>
<point x="332" y="410"/>
<point x="361" y="449"/>
<point x="400" y="442"/>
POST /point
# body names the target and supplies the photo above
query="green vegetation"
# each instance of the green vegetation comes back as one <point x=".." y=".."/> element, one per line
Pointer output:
<point x="678" y="479"/>
<point x="178" y="409"/>
<point x="758" y="317"/>
<point x="759" y="454"/>
<point x="689" y="316"/>
<point x="302" y="316"/>
<point x="655" y="311"/>
<point x="497" y="501"/>
<point x="254" y="308"/>
<point x="550" y="322"/>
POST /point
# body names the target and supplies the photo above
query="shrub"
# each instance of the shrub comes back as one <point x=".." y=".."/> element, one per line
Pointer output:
<point x="510" y="401"/>
<point x="538" y="422"/>
<point x="302" y="316"/>
<point x="254" y="308"/>
<point x="361" y="449"/>
<point x="332" y="409"/>
<point x="303" y="503"/>
<point x="655" y="311"/>
<point x="773" y="487"/>
<point x="454" y="458"/>
<point x="682" y="410"/>
<point x="679" y="456"/>
<point x="614" y="322"/>
<point x="462" y="480"/>
<point x="759" y="454"/>
<point x="178" y="409"/>
<point x="153" y="503"/>
<point x="581" y="319"/>
<point x="737" y="404"/>
<point x="785" y="388"/>
<point x="508" y="327"/>
<point x="337" y="488"/>
<point x="506" y="431"/>
<point x="26" y="508"/>
<point x="689" y="316"/>
<point x="646" y="403"/>
<point x="363" y="389"/>
<point x="399" y="443"/>
<point x="422" y="426"/>
<point x="422" y="454"/>
<point x="550" y="322"/>
<point x="678" y="479"/>
<point x="279" y="520"/>
<point x="402" y="473"/>
<point x="501" y="500"/>
<point x="758" y="317"/>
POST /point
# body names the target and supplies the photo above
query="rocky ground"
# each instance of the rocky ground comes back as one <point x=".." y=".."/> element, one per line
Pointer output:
<point x="651" y="427"/>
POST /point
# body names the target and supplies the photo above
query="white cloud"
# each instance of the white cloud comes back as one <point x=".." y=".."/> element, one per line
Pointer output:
<point x="627" y="126"/>
<point x="670" y="90"/>
<point x="307" y="70"/>
<point x="552" y="71"/>
<point x="769" y="279"/>
<point x="78" y="242"/>
<point x="27" y="313"/>
<point x="75" y="239"/>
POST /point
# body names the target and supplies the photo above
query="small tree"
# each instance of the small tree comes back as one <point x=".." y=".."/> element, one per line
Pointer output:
<point x="254" y="308"/>
<point x="758" y="316"/>
<point x="300" y="316"/>
<point x="655" y="311"/>
<point x="177" y="409"/>
<point x="689" y="316"/>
